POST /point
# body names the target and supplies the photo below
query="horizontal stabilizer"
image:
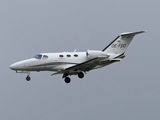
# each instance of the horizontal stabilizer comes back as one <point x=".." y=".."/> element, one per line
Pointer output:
<point x="131" y="33"/>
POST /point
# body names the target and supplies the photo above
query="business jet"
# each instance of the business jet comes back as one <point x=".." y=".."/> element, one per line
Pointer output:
<point x="76" y="63"/>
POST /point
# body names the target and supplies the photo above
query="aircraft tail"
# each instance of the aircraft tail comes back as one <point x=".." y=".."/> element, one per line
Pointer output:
<point x="121" y="43"/>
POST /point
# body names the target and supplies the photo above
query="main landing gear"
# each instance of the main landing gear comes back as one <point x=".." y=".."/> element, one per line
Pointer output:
<point x="68" y="80"/>
<point x="81" y="75"/>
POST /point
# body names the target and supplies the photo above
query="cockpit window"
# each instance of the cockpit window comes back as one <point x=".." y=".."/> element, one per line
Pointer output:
<point x="45" y="57"/>
<point x="39" y="56"/>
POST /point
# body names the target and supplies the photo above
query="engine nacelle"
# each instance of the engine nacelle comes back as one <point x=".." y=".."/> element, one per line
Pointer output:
<point x="96" y="53"/>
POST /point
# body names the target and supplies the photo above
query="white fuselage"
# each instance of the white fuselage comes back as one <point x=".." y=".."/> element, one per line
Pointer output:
<point x="54" y="62"/>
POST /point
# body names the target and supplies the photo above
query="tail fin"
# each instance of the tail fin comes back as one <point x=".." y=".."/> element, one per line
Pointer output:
<point x="120" y="44"/>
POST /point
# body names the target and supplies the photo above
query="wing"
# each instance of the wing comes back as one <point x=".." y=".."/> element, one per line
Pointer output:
<point x="85" y="66"/>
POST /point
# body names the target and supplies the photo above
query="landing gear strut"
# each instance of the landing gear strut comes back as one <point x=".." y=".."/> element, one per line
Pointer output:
<point x="67" y="80"/>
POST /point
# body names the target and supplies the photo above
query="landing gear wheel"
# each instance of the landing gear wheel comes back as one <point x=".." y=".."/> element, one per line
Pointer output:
<point x="81" y="75"/>
<point x="28" y="78"/>
<point x="67" y="80"/>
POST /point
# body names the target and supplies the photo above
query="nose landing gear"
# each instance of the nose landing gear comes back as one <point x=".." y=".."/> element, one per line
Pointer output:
<point x="28" y="78"/>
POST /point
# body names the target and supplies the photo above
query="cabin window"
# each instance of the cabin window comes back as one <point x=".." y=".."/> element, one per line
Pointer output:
<point x="39" y="56"/>
<point x="75" y="55"/>
<point x="68" y="55"/>
<point x="61" y="56"/>
<point x="45" y="57"/>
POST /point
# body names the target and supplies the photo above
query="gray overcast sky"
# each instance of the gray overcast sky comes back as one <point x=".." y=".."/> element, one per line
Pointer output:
<point x="129" y="90"/>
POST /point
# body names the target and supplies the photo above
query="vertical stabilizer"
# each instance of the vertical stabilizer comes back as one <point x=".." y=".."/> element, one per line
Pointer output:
<point x="121" y="43"/>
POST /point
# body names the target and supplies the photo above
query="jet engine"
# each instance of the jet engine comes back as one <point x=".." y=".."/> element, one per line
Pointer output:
<point x="96" y="53"/>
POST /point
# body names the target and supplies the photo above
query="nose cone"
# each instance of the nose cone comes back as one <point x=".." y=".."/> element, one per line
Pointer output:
<point x="17" y="66"/>
<point x="22" y="65"/>
<point x="14" y="66"/>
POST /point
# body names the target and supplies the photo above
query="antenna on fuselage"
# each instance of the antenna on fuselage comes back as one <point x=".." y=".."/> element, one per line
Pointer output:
<point x="75" y="50"/>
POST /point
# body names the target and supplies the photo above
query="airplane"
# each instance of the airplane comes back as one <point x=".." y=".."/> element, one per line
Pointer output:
<point x="76" y="63"/>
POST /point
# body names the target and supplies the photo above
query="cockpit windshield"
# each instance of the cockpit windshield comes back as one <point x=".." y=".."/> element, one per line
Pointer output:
<point x="39" y="56"/>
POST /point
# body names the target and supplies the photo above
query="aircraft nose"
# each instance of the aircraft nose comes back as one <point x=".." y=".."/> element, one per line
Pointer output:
<point x="13" y="66"/>
<point x="16" y="66"/>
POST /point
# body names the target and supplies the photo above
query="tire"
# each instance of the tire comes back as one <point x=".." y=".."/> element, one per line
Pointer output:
<point x="67" y="80"/>
<point x="28" y="78"/>
<point x="81" y="75"/>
